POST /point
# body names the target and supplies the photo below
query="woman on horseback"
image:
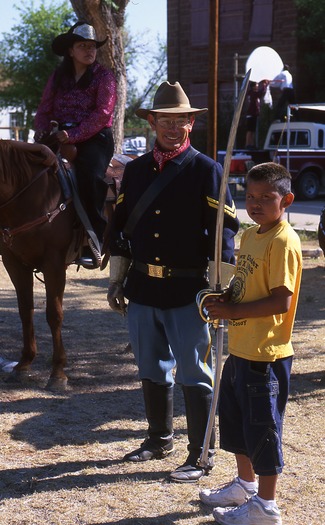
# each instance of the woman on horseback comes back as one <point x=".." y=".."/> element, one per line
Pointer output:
<point x="81" y="95"/>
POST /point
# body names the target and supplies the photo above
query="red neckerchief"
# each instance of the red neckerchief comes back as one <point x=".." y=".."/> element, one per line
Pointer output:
<point x="161" y="157"/>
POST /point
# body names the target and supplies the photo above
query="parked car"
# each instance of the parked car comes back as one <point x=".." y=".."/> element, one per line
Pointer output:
<point x="299" y="147"/>
<point x="134" y="146"/>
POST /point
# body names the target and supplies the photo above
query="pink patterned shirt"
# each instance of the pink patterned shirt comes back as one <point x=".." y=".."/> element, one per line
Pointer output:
<point x="92" y="107"/>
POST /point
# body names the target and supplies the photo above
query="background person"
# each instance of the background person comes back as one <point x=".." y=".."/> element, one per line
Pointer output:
<point x="80" y="95"/>
<point x="255" y="94"/>
<point x="165" y="262"/>
<point x="321" y="231"/>
<point x="255" y="379"/>
<point x="284" y="82"/>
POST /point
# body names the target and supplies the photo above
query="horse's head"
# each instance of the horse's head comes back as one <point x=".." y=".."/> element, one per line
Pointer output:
<point x="16" y="169"/>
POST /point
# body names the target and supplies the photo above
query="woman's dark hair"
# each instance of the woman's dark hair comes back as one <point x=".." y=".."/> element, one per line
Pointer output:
<point x="66" y="71"/>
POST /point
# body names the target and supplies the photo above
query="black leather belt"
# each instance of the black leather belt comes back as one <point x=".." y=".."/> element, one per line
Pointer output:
<point x="163" y="272"/>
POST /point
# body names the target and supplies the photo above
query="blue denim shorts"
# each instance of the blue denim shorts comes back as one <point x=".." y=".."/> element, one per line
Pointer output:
<point x="253" y="397"/>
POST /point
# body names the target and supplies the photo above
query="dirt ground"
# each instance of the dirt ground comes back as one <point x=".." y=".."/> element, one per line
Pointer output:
<point x="61" y="453"/>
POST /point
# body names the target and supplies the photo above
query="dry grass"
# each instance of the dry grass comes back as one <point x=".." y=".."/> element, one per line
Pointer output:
<point x="61" y="453"/>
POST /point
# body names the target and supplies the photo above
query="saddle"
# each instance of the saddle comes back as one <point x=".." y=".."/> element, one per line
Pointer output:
<point x="113" y="179"/>
<point x="66" y="154"/>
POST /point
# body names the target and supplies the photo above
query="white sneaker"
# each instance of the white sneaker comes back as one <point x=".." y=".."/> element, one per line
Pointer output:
<point x="230" y="495"/>
<point x="252" y="512"/>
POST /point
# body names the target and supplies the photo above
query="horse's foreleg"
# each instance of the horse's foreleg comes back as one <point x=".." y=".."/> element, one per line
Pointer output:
<point x="22" y="279"/>
<point x="55" y="283"/>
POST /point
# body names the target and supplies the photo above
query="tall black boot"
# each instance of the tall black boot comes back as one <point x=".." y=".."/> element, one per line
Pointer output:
<point x="197" y="405"/>
<point x="158" y="400"/>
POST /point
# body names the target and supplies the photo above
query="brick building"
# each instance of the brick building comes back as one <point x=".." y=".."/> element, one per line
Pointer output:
<point x="244" y="25"/>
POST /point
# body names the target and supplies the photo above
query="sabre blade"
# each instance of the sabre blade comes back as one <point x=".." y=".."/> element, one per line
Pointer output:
<point x="204" y="461"/>
<point x="224" y="181"/>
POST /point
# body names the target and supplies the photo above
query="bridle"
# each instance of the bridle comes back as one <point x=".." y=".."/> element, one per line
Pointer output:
<point x="8" y="233"/>
<point x="25" y="188"/>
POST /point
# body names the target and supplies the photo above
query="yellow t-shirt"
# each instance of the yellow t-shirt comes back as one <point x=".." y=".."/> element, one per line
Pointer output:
<point x="265" y="261"/>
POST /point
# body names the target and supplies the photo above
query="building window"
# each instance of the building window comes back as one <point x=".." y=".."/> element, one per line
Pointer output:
<point x="262" y="21"/>
<point x="200" y="23"/>
<point x="199" y="99"/>
<point x="199" y="95"/>
<point x="231" y="20"/>
<point x="16" y="122"/>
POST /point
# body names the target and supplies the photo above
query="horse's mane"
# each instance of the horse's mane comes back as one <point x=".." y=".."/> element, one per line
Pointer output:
<point x="16" y="165"/>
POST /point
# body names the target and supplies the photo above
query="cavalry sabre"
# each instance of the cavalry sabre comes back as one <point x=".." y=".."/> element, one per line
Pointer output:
<point x="216" y="274"/>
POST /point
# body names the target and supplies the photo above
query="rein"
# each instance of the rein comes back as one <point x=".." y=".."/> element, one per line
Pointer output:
<point x="25" y="188"/>
<point x="9" y="233"/>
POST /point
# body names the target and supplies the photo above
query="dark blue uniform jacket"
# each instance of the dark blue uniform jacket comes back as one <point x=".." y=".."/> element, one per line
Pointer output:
<point x="177" y="230"/>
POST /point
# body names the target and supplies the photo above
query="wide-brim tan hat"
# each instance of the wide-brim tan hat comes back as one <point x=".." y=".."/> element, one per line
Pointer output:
<point x="170" y="98"/>
<point x="80" y="31"/>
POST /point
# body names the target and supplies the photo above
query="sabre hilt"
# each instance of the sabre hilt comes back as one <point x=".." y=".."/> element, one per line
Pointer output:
<point x="200" y="298"/>
<point x="227" y="274"/>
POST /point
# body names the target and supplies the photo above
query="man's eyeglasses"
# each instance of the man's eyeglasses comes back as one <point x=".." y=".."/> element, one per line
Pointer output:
<point x="168" y="123"/>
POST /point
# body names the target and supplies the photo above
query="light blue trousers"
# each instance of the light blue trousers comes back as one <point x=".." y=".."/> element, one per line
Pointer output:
<point x="164" y="340"/>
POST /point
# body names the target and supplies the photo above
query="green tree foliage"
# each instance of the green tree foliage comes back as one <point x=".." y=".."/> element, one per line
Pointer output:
<point x="26" y="56"/>
<point x="27" y="60"/>
<point x="138" y="66"/>
<point x="143" y="61"/>
<point x="311" y="34"/>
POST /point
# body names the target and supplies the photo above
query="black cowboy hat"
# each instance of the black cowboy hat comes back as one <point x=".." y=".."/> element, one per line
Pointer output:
<point x="78" y="32"/>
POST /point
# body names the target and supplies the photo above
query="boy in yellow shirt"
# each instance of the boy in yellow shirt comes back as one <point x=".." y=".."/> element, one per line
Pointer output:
<point x="261" y="307"/>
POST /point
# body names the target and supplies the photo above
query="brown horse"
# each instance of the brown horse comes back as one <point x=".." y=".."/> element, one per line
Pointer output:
<point x="39" y="230"/>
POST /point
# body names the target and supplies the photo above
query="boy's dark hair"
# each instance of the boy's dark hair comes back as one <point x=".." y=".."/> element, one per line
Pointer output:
<point x="272" y="173"/>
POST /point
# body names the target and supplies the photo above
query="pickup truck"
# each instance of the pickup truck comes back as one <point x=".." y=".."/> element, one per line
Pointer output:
<point x="304" y="158"/>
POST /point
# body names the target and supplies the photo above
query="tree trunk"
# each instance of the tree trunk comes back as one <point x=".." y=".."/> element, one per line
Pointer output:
<point x="109" y="20"/>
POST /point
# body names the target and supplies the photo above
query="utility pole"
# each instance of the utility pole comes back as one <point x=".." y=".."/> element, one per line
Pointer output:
<point x="213" y="79"/>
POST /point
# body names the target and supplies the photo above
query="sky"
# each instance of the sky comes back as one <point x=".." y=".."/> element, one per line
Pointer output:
<point x="143" y="16"/>
<point x="146" y="19"/>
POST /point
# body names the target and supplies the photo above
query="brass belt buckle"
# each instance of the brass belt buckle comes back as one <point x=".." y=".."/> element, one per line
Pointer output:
<point x="156" y="271"/>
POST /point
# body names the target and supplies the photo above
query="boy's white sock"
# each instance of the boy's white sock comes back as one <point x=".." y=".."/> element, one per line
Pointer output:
<point x="249" y="485"/>
<point x="267" y="503"/>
